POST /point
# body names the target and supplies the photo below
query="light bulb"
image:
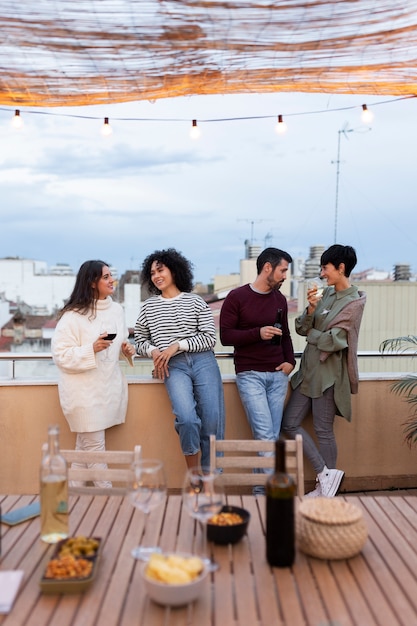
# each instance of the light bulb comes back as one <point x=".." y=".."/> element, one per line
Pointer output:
<point x="367" y="115"/>
<point x="17" y="121"/>
<point x="106" y="129"/>
<point x="195" y="132"/>
<point x="281" y="126"/>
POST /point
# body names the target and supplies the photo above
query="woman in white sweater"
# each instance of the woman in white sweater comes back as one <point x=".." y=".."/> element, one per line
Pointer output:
<point x="176" y="329"/>
<point x="92" y="387"/>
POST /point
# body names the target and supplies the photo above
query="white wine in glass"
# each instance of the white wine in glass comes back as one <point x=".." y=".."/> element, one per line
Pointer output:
<point x="317" y="284"/>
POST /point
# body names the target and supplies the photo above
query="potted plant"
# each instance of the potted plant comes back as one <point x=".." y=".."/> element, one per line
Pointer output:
<point x="407" y="386"/>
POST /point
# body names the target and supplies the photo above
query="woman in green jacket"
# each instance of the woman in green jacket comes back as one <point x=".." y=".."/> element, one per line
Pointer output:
<point x="328" y="372"/>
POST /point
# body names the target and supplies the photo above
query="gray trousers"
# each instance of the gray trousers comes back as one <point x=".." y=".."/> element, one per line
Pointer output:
<point x="323" y="410"/>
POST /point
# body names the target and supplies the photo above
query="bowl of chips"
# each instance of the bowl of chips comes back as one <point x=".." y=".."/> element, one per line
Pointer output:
<point x="228" y="526"/>
<point x="174" y="578"/>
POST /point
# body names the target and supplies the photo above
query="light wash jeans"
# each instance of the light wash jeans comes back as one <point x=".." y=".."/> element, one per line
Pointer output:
<point x="195" y="389"/>
<point x="263" y="395"/>
<point x="323" y="410"/>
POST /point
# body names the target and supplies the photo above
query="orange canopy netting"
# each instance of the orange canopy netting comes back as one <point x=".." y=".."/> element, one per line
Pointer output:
<point x="84" y="52"/>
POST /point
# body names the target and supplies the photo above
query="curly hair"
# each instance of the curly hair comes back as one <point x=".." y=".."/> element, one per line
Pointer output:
<point x="180" y="267"/>
<point x="84" y="296"/>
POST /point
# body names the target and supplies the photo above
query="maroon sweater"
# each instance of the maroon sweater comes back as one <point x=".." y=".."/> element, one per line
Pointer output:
<point x="243" y="313"/>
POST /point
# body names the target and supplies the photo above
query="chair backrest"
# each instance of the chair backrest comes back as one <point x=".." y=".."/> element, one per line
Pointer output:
<point x="237" y="458"/>
<point x="118" y="469"/>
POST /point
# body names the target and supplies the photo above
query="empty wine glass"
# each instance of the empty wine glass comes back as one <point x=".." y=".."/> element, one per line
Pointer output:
<point x="203" y="497"/>
<point x="147" y="491"/>
<point x="111" y="329"/>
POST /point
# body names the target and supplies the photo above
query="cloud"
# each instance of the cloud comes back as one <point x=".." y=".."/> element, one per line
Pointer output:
<point x="68" y="194"/>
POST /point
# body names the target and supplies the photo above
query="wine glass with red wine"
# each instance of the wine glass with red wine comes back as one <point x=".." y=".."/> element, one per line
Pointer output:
<point x="111" y="330"/>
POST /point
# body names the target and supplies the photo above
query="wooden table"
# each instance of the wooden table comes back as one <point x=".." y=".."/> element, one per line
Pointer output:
<point x="378" y="587"/>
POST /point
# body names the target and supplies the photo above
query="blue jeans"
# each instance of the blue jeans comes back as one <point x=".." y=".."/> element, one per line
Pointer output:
<point x="263" y="395"/>
<point x="195" y="389"/>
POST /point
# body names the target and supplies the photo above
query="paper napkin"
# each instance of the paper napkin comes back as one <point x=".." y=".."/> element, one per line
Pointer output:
<point x="9" y="585"/>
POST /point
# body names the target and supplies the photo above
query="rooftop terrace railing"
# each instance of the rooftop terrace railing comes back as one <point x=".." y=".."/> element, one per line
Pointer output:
<point x="372" y="451"/>
<point x="39" y="365"/>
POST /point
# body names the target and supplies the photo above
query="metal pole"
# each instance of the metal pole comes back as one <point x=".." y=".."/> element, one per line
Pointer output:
<point x="345" y="130"/>
<point x="337" y="184"/>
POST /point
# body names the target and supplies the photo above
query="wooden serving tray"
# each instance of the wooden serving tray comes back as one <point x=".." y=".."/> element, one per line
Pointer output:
<point x="70" y="585"/>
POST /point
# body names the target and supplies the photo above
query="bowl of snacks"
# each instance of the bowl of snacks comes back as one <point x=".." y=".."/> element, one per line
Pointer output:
<point x="174" y="578"/>
<point x="228" y="526"/>
<point x="73" y="565"/>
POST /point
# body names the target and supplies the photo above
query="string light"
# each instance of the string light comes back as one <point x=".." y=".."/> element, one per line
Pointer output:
<point x="17" y="121"/>
<point x="195" y="132"/>
<point x="106" y="129"/>
<point x="281" y="126"/>
<point x="367" y="115"/>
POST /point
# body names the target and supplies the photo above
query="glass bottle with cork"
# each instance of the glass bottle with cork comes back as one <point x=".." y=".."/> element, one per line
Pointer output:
<point x="280" y="521"/>
<point x="53" y="491"/>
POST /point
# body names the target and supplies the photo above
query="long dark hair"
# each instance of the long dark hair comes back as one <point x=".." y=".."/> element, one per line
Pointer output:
<point x="84" y="296"/>
<point x="180" y="267"/>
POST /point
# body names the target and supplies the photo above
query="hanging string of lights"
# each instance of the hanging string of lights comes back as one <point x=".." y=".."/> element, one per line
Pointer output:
<point x="195" y="132"/>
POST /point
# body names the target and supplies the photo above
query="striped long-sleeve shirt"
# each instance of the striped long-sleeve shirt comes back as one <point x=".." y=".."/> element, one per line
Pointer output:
<point x="185" y="319"/>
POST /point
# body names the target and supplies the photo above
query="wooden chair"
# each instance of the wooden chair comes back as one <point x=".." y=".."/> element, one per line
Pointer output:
<point x="240" y="456"/>
<point x="119" y="475"/>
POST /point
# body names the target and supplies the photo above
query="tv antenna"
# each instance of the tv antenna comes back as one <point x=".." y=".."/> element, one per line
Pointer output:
<point x="343" y="131"/>
<point x="252" y="223"/>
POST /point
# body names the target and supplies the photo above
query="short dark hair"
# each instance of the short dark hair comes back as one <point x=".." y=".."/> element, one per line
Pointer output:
<point x="84" y="295"/>
<point x="338" y="254"/>
<point x="180" y="267"/>
<point x="273" y="256"/>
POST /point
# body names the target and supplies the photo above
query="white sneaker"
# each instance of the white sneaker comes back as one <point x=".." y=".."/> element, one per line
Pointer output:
<point x="330" y="480"/>
<point x="316" y="493"/>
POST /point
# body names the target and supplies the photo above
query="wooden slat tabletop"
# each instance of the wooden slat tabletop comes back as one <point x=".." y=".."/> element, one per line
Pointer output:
<point x="376" y="588"/>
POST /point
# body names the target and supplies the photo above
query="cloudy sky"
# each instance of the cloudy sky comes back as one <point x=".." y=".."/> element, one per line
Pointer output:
<point x="69" y="194"/>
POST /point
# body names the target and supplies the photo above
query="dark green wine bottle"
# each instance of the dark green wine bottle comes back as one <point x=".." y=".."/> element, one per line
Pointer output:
<point x="280" y="522"/>
<point x="276" y="339"/>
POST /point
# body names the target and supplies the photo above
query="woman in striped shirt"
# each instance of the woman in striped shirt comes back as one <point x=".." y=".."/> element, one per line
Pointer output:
<point x="176" y="329"/>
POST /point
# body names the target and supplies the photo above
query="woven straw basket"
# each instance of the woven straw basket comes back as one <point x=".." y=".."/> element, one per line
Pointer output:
<point x="330" y="528"/>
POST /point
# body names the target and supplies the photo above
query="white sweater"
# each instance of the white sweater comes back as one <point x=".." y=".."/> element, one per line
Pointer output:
<point x="92" y="391"/>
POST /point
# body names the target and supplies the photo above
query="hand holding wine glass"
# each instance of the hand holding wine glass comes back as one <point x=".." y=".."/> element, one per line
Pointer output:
<point x="147" y="491"/>
<point x="203" y="497"/>
<point x="111" y="329"/>
<point x="316" y="284"/>
<point x="315" y="288"/>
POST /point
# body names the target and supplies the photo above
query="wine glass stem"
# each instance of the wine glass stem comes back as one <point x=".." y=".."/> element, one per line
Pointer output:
<point x="204" y="546"/>
<point x="145" y="524"/>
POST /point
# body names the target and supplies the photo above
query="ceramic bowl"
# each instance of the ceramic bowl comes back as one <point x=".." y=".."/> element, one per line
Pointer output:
<point x="174" y="594"/>
<point x="229" y="534"/>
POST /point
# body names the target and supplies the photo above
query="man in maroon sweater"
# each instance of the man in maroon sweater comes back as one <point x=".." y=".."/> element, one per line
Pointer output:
<point x="263" y="353"/>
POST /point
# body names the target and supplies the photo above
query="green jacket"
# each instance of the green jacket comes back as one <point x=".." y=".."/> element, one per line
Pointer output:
<point x="330" y="357"/>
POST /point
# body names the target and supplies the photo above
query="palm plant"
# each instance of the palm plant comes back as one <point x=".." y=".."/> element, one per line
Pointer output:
<point x="407" y="386"/>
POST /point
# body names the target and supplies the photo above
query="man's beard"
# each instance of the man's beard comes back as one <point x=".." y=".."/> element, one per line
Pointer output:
<point x="277" y="286"/>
